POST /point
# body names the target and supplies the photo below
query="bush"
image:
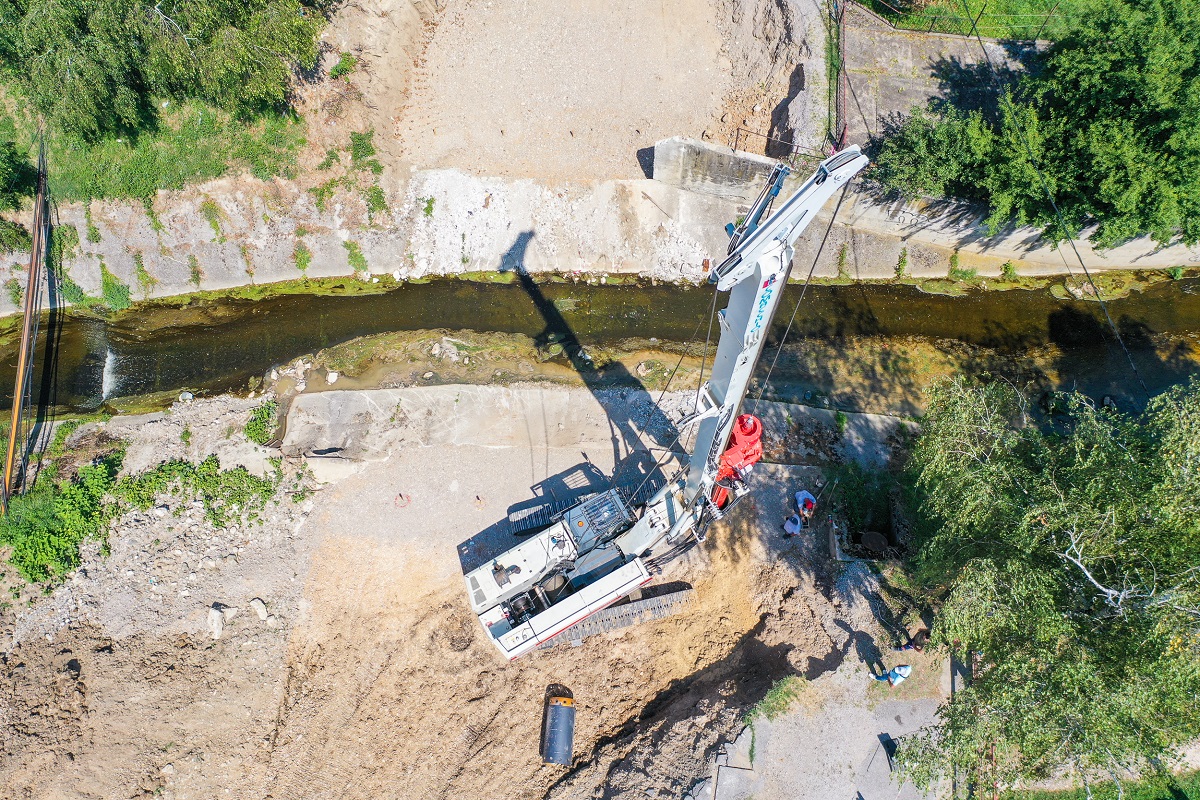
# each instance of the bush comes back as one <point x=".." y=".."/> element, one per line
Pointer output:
<point x="376" y="200"/>
<point x="302" y="256"/>
<point x="13" y="237"/>
<point x="113" y="293"/>
<point x="1102" y="117"/>
<point x="261" y="426"/>
<point x="104" y="67"/>
<point x="358" y="262"/>
<point x="45" y="526"/>
<point x="345" y="65"/>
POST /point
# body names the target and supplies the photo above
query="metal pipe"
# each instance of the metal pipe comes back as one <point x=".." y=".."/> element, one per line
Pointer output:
<point x="27" y="327"/>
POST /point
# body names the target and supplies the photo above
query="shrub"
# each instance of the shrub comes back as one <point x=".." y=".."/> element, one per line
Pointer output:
<point x="212" y="212"/>
<point x="376" y="200"/>
<point x="145" y="280"/>
<point x="197" y="274"/>
<point x="361" y="146"/>
<point x="113" y="293"/>
<point x="302" y="256"/>
<point x="45" y="526"/>
<point x="902" y="263"/>
<point x="358" y="262"/>
<point x="13" y="237"/>
<point x="261" y="426"/>
<point x="345" y="65"/>
<point x="16" y="293"/>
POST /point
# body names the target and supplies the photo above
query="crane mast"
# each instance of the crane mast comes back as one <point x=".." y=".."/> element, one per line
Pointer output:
<point x="596" y="553"/>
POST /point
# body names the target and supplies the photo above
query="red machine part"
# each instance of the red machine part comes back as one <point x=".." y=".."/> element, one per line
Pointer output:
<point x="745" y="448"/>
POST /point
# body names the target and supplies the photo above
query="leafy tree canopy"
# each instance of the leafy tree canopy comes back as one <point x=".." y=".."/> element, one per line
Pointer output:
<point x="1065" y="559"/>
<point x="1110" y="113"/>
<point x="93" y="67"/>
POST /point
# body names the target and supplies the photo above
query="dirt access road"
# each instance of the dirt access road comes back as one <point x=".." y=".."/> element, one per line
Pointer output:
<point x="374" y="679"/>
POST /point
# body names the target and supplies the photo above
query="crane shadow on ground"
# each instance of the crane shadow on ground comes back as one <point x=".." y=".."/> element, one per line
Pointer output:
<point x="642" y="437"/>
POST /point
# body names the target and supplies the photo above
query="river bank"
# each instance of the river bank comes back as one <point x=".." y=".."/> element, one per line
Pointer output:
<point x="240" y="234"/>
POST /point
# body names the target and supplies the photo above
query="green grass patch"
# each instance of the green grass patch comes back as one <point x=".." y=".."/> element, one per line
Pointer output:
<point x="362" y="146"/>
<point x="1179" y="787"/>
<point x="155" y="223"/>
<point x="302" y="256"/>
<point x="260" y="428"/>
<point x="193" y="142"/>
<point x="330" y="161"/>
<point x="902" y="263"/>
<point x="113" y="292"/>
<point x="195" y="273"/>
<point x="146" y="281"/>
<point x="1001" y="19"/>
<point x="354" y="254"/>
<point x="427" y="209"/>
<point x="345" y="66"/>
<point x="13" y="237"/>
<point x="376" y="200"/>
<point x="779" y="699"/>
<point x="93" y="233"/>
<point x="16" y="293"/>
<point x="212" y="212"/>
<point x="842" y="265"/>
<point x="323" y="193"/>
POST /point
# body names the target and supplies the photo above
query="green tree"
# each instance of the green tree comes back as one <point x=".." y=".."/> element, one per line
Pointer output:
<point x="1111" y="115"/>
<point x="93" y="67"/>
<point x="1063" y="560"/>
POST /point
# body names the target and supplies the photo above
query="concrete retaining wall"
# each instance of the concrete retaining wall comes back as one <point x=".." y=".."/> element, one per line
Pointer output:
<point x="445" y="222"/>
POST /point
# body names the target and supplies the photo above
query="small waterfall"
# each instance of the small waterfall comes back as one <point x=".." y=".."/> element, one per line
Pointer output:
<point x="108" y="381"/>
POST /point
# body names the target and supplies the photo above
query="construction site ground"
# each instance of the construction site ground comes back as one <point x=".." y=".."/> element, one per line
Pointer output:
<point x="371" y="678"/>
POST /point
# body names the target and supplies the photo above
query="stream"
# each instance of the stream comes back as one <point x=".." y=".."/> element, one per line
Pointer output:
<point x="214" y="346"/>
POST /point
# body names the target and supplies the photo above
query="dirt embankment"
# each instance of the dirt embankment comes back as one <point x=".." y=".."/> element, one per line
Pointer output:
<point x="370" y="676"/>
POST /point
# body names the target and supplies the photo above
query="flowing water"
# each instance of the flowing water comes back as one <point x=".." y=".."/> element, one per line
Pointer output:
<point x="212" y="346"/>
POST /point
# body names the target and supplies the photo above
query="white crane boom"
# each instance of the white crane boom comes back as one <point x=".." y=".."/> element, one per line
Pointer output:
<point x="595" y="553"/>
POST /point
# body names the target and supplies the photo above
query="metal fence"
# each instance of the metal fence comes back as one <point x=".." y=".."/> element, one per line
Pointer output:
<point x="952" y="18"/>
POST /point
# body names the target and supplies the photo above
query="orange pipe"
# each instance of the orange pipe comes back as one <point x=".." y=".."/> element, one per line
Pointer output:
<point x="31" y="292"/>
